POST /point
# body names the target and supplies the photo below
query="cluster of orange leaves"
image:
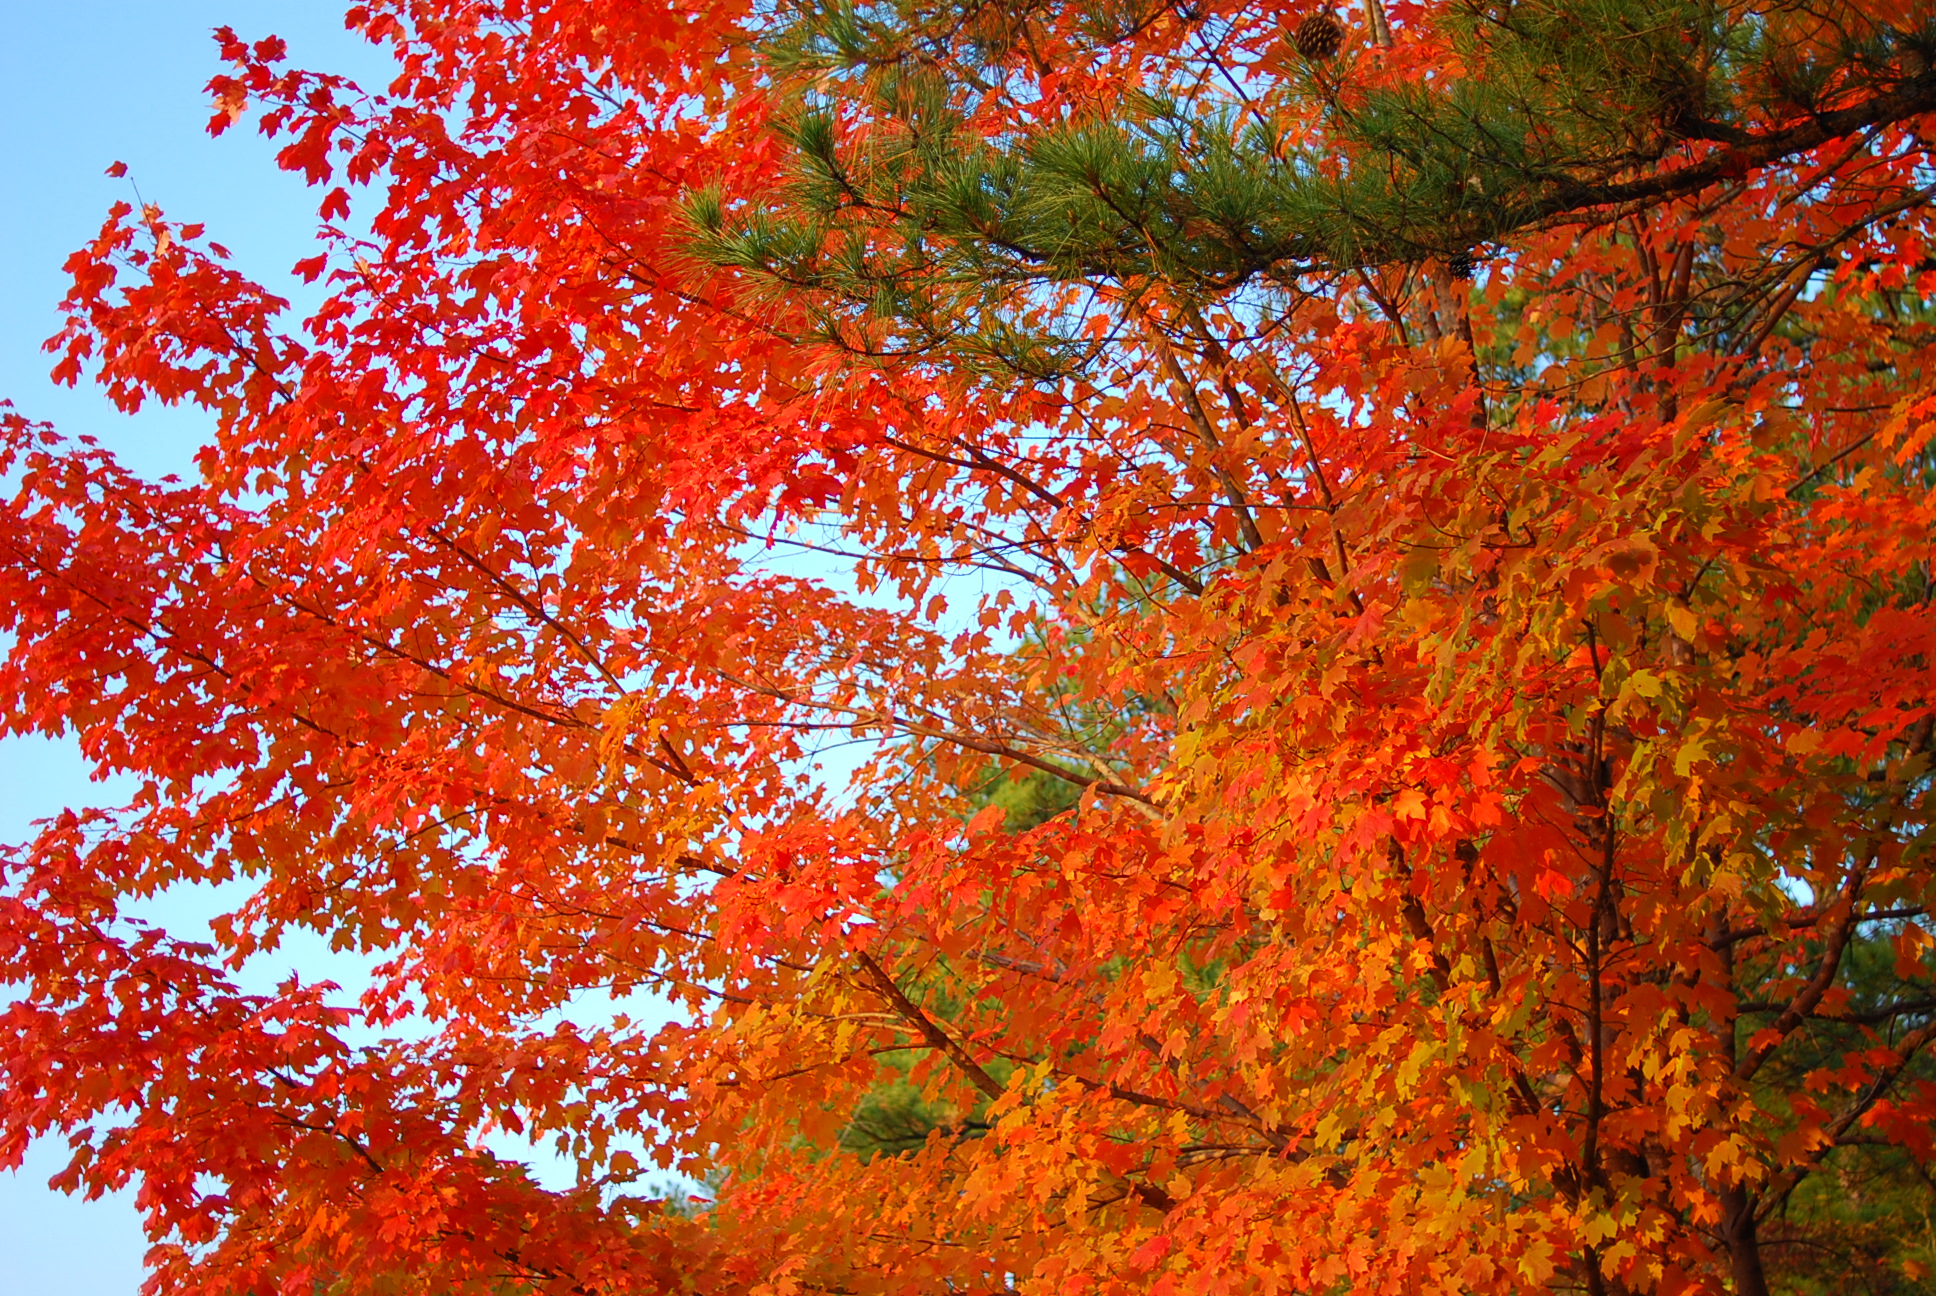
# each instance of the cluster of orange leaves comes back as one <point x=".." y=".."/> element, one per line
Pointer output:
<point x="1457" y="764"/>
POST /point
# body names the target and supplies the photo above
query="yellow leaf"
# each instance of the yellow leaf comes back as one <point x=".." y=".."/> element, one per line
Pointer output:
<point x="1683" y="622"/>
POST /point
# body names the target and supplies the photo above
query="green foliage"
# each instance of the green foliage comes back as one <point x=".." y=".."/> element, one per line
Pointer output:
<point x="895" y="1118"/>
<point x="1030" y="798"/>
<point x="912" y="229"/>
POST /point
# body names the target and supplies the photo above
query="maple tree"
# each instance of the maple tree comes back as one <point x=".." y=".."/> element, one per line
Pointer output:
<point x="1378" y="564"/>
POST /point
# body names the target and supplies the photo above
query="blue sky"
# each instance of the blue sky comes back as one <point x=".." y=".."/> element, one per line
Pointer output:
<point x="84" y="83"/>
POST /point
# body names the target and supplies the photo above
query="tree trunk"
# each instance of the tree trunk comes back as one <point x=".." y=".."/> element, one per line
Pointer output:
<point x="1744" y="1247"/>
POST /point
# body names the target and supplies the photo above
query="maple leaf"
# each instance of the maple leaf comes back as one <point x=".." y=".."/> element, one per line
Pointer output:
<point x="1057" y="650"/>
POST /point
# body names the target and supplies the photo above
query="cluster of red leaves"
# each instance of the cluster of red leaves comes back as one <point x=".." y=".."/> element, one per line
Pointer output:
<point x="1482" y="785"/>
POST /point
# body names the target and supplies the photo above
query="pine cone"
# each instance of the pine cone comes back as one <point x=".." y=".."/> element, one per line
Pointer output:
<point x="1319" y="36"/>
<point x="1461" y="265"/>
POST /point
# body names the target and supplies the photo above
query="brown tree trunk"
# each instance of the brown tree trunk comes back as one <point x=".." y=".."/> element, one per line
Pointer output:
<point x="1744" y="1247"/>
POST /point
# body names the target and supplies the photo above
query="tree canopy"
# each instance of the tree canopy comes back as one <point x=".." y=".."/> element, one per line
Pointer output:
<point x="1372" y="568"/>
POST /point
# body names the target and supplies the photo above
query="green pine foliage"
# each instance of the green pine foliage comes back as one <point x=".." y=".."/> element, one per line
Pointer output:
<point x="912" y="230"/>
<point x="1030" y="798"/>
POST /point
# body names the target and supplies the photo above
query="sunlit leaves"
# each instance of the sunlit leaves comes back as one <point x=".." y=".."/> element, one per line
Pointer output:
<point x="1380" y="608"/>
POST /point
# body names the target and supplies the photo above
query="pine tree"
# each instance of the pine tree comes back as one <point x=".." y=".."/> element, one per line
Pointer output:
<point x="940" y="208"/>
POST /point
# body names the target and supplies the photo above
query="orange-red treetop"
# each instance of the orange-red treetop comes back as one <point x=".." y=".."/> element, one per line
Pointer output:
<point x="1501" y="709"/>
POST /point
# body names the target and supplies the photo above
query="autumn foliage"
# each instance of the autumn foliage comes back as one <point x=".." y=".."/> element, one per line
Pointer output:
<point x="1376" y="586"/>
